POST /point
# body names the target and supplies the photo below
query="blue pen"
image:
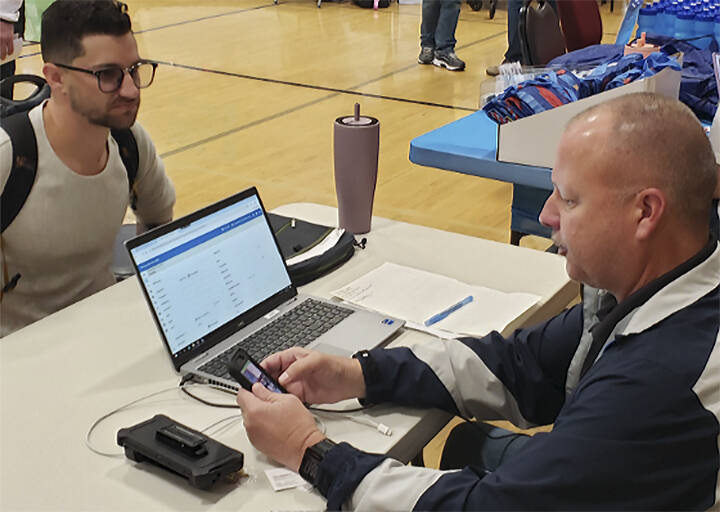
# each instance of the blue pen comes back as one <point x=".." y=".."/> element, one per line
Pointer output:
<point x="444" y="314"/>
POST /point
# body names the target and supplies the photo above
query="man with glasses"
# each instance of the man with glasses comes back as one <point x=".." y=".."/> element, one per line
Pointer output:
<point x="59" y="246"/>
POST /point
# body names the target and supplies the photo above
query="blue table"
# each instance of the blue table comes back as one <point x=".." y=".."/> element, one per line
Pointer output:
<point x="469" y="146"/>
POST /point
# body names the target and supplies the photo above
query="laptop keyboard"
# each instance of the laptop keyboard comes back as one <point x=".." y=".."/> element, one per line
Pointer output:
<point x="296" y="328"/>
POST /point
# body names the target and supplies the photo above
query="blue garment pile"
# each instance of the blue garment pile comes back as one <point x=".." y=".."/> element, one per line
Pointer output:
<point x="541" y="93"/>
<point x="697" y="84"/>
<point x="556" y="88"/>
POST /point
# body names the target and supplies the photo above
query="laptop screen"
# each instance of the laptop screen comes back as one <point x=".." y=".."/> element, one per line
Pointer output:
<point x="205" y="273"/>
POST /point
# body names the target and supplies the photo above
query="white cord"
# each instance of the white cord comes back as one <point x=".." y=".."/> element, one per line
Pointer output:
<point x="380" y="427"/>
<point x="88" y="443"/>
<point x="383" y="429"/>
<point x="362" y="420"/>
<point x="234" y="417"/>
<point x="97" y="422"/>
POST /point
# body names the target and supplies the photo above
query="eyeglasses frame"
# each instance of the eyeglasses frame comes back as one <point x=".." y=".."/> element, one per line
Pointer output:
<point x="128" y="70"/>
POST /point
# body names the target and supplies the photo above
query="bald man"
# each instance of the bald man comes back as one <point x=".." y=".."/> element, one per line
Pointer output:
<point x="630" y="378"/>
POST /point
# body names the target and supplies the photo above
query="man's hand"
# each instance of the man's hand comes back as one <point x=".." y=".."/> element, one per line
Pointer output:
<point x="7" y="35"/>
<point x="278" y="425"/>
<point x="314" y="377"/>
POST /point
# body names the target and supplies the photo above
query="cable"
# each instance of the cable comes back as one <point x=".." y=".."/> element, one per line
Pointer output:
<point x="88" y="443"/>
<point x="205" y="402"/>
<point x="380" y="427"/>
<point x="234" y="417"/>
<point x="480" y="424"/>
<point x="338" y="411"/>
<point x="182" y="387"/>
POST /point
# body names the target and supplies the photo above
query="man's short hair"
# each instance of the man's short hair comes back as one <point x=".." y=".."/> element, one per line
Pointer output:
<point x="66" y="22"/>
<point x="660" y="140"/>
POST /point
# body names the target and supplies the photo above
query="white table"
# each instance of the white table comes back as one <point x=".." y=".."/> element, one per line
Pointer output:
<point x="60" y="374"/>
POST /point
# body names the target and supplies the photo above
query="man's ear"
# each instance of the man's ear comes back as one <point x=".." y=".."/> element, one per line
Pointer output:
<point x="53" y="76"/>
<point x="650" y="205"/>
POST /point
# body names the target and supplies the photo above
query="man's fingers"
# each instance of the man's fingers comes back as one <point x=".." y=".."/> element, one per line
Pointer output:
<point x="262" y="392"/>
<point x="292" y="372"/>
<point x="245" y="399"/>
<point x="276" y="363"/>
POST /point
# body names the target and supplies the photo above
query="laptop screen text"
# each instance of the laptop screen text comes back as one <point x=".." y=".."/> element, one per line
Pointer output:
<point x="202" y="275"/>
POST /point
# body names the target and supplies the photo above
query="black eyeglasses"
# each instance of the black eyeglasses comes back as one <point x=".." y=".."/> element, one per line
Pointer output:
<point x="110" y="79"/>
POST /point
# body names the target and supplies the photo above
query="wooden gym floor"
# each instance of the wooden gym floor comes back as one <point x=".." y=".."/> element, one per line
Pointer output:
<point x="248" y="92"/>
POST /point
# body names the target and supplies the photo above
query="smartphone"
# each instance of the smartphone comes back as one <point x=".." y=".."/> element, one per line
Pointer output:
<point x="247" y="372"/>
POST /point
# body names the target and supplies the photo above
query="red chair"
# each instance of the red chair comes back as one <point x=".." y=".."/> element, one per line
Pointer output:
<point x="581" y="23"/>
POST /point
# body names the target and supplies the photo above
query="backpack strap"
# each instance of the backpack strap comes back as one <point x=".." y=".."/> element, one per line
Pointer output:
<point x="24" y="167"/>
<point x="25" y="161"/>
<point x="130" y="157"/>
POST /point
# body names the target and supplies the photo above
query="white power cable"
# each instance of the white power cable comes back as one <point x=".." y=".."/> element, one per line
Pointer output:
<point x="88" y="443"/>
<point x="102" y="418"/>
<point x="380" y="427"/>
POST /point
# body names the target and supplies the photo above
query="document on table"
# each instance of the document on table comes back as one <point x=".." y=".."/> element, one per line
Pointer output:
<point x="416" y="295"/>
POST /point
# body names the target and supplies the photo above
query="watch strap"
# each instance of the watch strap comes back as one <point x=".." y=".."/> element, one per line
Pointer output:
<point x="312" y="459"/>
<point x="367" y="363"/>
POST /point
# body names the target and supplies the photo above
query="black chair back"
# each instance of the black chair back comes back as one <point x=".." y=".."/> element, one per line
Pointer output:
<point x="9" y="106"/>
<point x="541" y="39"/>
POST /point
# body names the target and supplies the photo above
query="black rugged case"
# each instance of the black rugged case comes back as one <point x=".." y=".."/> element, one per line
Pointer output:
<point x="141" y="445"/>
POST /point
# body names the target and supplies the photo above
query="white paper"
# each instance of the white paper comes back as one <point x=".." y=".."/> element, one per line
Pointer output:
<point x="416" y="295"/>
<point x="327" y="243"/>
<point x="281" y="479"/>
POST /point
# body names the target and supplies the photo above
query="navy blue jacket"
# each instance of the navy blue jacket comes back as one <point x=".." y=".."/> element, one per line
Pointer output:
<point x="638" y="430"/>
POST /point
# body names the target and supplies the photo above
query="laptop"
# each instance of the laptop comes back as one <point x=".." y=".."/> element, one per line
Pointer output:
<point x="216" y="280"/>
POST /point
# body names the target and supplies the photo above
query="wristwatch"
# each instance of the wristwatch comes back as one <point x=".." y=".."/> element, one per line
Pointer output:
<point x="314" y="455"/>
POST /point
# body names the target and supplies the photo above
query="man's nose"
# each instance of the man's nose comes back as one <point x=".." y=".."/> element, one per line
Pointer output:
<point x="128" y="89"/>
<point x="549" y="215"/>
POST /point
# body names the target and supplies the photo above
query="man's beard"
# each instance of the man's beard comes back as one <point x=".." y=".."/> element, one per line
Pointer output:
<point x="103" y="117"/>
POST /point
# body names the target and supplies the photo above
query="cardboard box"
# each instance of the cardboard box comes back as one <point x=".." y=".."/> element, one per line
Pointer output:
<point x="533" y="140"/>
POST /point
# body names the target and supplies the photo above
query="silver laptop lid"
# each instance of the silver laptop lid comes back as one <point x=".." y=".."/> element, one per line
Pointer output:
<point x="207" y="275"/>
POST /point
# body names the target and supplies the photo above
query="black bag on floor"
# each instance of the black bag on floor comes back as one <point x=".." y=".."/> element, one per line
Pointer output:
<point x="368" y="4"/>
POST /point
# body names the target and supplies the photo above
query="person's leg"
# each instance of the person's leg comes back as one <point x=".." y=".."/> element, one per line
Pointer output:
<point x="445" y="37"/>
<point x="513" y="53"/>
<point x="480" y="445"/>
<point x="429" y="23"/>
<point x="446" y="25"/>
<point x="430" y="15"/>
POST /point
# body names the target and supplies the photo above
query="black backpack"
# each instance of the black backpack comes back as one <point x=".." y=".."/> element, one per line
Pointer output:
<point x="16" y="122"/>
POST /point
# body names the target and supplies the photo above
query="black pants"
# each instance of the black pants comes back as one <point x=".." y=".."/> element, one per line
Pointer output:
<point x="8" y="69"/>
<point x="480" y="445"/>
